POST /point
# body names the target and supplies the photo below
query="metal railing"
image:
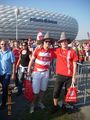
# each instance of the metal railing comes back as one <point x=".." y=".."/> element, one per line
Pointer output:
<point x="83" y="82"/>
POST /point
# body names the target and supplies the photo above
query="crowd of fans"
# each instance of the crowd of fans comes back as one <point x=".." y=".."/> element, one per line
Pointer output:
<point x="82" y="48"/>
<point x="21" y="53"/>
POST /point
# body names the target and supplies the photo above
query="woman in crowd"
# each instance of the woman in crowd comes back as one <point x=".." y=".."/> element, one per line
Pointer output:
<point x="22" y="65"/>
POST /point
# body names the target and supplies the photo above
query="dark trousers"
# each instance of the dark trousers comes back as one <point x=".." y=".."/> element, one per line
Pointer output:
<point x="59" y="83"/>
<point x="4" y="80"/>
<point x="16" y="80"/>
<point x="20" y="81"/>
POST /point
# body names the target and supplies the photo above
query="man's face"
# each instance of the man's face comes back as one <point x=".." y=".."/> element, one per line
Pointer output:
<point x="47" y="44"/>
<point x="3" y="44"/>
<point x="64" y="43"/>
<point x="40" y="46"/>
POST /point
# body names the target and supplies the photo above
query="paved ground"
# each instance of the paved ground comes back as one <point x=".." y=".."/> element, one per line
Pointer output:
<point x="86" y="112"/>
<point x="20" y="105"/>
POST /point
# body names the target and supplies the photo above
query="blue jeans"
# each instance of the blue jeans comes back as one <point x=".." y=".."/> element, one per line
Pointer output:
<point x="5" y="81"/>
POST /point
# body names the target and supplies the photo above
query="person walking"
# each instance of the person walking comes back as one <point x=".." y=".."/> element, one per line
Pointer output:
<point x="22" y="66"/>
<point x="16" y="51"/>
<point x="40" y="76"/>
<point x="66" y="66"/>
<point x="7" y="70"/>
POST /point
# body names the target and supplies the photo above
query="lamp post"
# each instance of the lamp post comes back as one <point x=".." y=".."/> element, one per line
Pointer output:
<point x="17" y="12"/>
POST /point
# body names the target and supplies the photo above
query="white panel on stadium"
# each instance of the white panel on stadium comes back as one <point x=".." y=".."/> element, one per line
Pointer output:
<point x="30" y="21"/>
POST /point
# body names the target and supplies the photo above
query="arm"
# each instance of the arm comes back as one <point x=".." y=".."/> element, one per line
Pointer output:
<point x="18" y="62"/>
<point x="74" y="72"/>
<point x="33" y="57"/>
<point x="13" y="71"/>
<point x="30" y="55"/>
<point x="30" y="63"/>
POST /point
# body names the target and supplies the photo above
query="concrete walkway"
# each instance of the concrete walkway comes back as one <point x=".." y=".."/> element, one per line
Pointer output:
<point x="20" y="104"/>
<point x="85" y="110"/>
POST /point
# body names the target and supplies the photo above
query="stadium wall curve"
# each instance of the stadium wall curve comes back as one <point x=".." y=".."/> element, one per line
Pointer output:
<point x="30" y="20"/>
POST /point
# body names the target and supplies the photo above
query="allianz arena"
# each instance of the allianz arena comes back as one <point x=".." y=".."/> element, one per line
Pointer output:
<point x="29" y="21"/>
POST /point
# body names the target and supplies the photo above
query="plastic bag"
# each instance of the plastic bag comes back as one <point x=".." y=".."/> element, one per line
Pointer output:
<point x="28" y="91"/>
<point x="71" y="95"/>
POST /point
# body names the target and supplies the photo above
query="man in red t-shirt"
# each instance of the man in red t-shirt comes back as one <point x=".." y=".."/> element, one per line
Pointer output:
<point x="66" y="64"/>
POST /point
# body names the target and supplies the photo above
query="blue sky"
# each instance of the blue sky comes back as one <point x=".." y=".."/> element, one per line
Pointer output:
<point x="79" y="9"/>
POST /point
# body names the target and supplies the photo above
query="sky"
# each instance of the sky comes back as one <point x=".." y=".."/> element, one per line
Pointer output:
<point x="78" y="9"/>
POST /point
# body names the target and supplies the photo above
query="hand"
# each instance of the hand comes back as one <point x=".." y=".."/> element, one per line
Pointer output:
<point x="13" y="76"/>
<point x="73" y="80"/>
<point x="28" y="73"/>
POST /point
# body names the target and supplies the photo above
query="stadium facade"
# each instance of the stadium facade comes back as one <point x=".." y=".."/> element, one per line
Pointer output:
<point x="29" y="21"/>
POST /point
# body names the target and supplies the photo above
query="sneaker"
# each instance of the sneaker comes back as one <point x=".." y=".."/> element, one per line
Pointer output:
<point x="54" y="109"/>
<point x="68" y="106"/>
<point x="15" y="88"/>
<point x="64" y="108"/>
<point x="41" y="105"/>
<point x="71" y="106"/>
<point x="31" y="108"/>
